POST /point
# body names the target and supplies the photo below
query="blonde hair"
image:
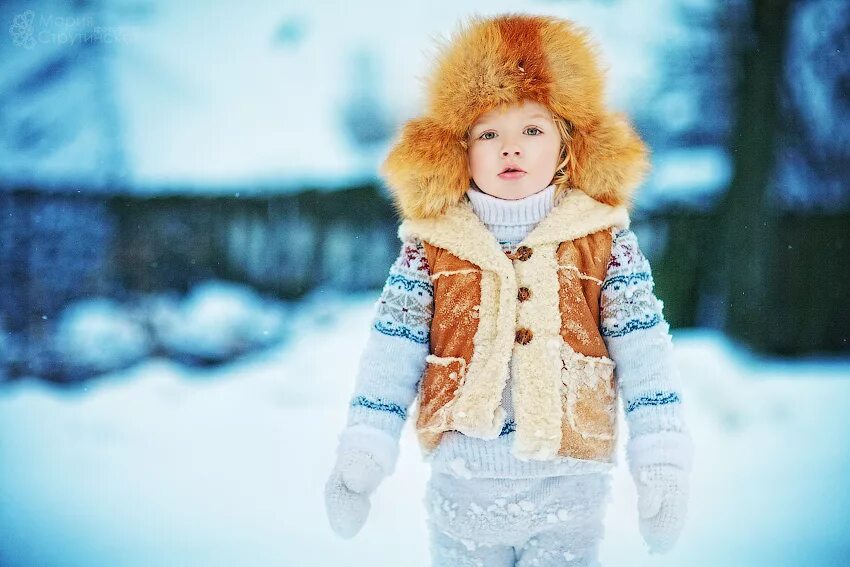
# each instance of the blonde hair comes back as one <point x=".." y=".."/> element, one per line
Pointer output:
<point x="566" y="165"/>
<point x="563" y="173"/>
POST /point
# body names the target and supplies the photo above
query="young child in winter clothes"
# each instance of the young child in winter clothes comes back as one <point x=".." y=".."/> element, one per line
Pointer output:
<point x="518" y="313"/>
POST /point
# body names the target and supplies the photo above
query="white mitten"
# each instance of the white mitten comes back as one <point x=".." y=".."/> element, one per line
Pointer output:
<point x="660" y="464"/>
<point x="662" y="504"/>
<point x="365" y="456"/>
<point x="354" y="477"/>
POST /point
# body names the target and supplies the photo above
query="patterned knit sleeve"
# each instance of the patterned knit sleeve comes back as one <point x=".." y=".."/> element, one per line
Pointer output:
<point x="639" y="343"/>
<point x="393" y="360"/>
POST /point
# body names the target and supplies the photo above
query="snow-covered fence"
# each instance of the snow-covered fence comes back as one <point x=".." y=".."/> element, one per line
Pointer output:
<point x="56" y="247"/>
<point x="60" y="247"/>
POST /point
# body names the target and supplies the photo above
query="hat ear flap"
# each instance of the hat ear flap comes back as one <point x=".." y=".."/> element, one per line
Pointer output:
<point x="427" y="168"/>
<point x="608" y="160"/>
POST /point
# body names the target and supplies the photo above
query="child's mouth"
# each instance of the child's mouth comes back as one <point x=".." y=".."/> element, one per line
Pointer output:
<point x="511" y="174"/>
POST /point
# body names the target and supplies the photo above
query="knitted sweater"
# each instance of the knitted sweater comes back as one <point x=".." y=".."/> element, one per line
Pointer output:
<point x="632" y="326"/>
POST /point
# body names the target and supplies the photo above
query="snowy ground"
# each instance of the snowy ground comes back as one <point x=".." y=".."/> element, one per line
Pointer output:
<point x="161" y="465"/>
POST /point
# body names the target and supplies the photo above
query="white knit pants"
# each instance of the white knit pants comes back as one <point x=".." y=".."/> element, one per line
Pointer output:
<point x="494" y="522"/>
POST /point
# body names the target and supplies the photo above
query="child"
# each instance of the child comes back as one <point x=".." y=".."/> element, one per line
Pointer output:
<point x="518" y="312"/>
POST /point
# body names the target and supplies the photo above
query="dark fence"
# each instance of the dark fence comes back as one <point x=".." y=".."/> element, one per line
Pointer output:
<point x="802" y="304"/>
<point x="285" y="245"/>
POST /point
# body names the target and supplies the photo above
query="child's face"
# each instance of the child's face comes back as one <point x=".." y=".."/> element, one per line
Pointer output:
<point x="523" y="136"/>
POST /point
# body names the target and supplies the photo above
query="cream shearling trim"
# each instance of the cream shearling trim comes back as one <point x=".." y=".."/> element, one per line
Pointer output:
<point x="537" y="394"/>
<point x="581" y="274"/>
<point x="446" y="360"/>
<point x="462" y="233"/>
<point x="436" y="275"/>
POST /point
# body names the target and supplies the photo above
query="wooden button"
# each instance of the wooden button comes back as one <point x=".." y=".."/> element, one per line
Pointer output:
<point x="524" y="336"/>
<point x="523" y="253"/>
<point x="523" y="293"/>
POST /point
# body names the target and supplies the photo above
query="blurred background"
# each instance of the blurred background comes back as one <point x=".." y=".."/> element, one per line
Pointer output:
<point x="193" y="235"/>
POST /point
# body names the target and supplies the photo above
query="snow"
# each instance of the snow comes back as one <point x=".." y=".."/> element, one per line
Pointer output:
<point x="165" y="464"/>
<point x="216" y="320"/>
<point x="100" y="335"/>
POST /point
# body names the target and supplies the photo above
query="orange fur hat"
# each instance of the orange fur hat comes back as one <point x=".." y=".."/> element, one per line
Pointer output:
<point x="505" y="59"/>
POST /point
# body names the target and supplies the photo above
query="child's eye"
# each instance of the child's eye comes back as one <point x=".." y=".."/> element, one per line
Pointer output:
<point x="482" y="136"/>
<point x="534" y="128"/>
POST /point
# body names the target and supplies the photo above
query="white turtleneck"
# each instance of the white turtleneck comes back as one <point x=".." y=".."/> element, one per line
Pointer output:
<point x="511" y="220"/>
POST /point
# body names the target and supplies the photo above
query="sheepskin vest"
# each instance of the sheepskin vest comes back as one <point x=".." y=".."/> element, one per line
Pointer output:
<point x="532" y="315"/>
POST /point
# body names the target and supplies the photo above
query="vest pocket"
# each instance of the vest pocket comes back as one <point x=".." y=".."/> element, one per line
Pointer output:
<point x="438" y="390"/>
<point x="589" y="399"/>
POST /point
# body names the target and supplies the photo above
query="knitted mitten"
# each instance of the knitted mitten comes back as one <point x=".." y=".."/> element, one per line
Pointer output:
<point x="354" y="477"/>
<point x="365" y="455"/>
<point x="662" y="504"/>
<point x="660" y="464"/>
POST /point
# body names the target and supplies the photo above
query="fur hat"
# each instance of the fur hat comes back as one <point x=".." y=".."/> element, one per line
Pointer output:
<point x="497" y="60"/>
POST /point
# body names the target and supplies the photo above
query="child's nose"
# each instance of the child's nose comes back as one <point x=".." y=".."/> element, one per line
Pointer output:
<point x="514" y="151"/>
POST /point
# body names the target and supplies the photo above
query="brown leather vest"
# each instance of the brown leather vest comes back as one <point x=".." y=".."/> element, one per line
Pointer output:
<point x="533" y="314"/>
